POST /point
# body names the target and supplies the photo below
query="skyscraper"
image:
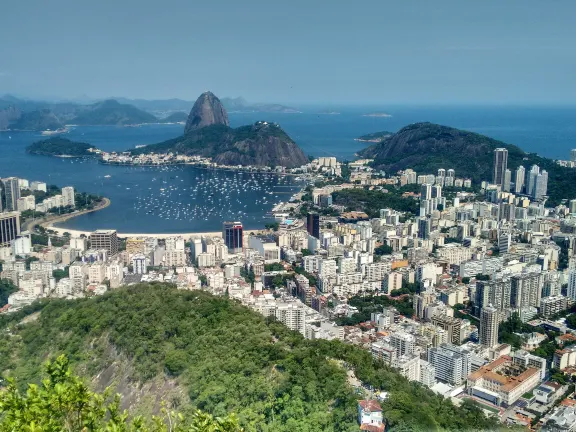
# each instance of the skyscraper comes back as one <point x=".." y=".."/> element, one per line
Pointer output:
<point x="507" y="180"/>
<point x="519" y="179"/>
<point x="572" y="284"/>
<point x="9" y="227"/>
<point x="573" y="155"/>
<point x="500" y="166"/>
<point x="541" y="185"/>
<point x="426" y="191"/>
<point x="233" y="236"/>
<point x="531" y="182"/>
<point x="489" y="326"/>
<point x="12" y="192"/>
<point x="424" y="227"/>
<point x="313" y="224"/>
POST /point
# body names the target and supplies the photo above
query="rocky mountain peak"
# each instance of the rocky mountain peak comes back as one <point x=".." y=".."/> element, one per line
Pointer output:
<point x="207" y="110"/>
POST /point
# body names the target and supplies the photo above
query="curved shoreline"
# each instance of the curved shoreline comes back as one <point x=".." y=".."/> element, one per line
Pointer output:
<point x="78" y="233"/>
<point x="48" y="222"/>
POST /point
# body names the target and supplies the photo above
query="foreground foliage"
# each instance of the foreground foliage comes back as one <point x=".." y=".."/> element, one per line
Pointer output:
<point x="62" y="402"/>
<point x="229" y="358"/>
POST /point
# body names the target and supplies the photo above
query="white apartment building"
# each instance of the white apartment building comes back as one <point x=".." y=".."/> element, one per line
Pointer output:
<point x="206" y="260"/>
<point x="79" y="243"/>
<point x="176" y="258"/>
<point x="68" y="196"/>
<point x="139" y="264"/>
<point x="392" y="281"/>
<point x="327" y="268"/>
<point x="97" y="273"/>
<point x="377" y="271"/>
<point x="266" y="247"/>
<point x="454" y="253"/>
<point x="452" y="363"/>
<point x="409" y="366"/>
<point x="347" y="265"/>
<point x="175" y="244"/>
<point x="311" y="263"/>
<point x="403" y="343"/>
<point x="572" y="284"/>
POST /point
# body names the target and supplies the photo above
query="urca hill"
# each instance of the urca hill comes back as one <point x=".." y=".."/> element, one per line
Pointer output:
<point x="426" y="147"/>
<point x="208" y="134"/>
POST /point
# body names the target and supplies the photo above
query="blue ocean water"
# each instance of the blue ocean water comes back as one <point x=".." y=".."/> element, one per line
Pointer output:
<point x="187" y="199"/>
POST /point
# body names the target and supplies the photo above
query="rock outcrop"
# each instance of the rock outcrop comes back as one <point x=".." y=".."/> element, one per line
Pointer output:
<point x="207" y="111"/>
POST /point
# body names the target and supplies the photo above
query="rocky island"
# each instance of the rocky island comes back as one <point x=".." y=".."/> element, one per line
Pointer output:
<point x="208" y="134"/>
<point x="374" y="137"/>
<point x="62" y="147"/>
<point x="377" y="114"/>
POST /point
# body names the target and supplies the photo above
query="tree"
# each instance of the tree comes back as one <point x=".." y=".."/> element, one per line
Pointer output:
<point x="62" y="402"/>
<point x="59" y="274"/>
<point x="383" y="250"/>
<point x="6" y="288"/>
<point x="306" y="252"/>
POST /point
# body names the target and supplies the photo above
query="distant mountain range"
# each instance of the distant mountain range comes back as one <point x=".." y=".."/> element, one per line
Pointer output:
<point x="112" y="112"/>
<point x="25" y="114"/>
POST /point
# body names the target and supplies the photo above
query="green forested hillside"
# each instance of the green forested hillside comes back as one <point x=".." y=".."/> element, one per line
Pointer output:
<point x="226" y="358"/>
<point x="58" y="146"/>
<point x="426" y="147"/>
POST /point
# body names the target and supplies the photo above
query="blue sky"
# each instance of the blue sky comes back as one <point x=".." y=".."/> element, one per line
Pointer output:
<point x="293" y="51"/>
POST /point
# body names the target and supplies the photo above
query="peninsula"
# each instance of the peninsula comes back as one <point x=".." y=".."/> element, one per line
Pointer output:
<point x="207" y="134"/>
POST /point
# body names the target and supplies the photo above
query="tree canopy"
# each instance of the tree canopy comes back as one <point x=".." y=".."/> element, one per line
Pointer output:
<point x="226" y="357"/>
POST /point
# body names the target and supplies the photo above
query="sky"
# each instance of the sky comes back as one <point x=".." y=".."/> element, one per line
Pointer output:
<point x="293" y="51"/>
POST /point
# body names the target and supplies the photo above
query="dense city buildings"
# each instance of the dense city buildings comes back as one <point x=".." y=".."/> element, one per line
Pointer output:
<point x="470" y="292"/>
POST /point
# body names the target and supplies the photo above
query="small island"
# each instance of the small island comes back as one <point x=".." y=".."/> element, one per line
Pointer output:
<point x="377" y="114"/>
<point x="62" y="147"/>
<point x="328" y="112"/>
<point x="374" y="137"/>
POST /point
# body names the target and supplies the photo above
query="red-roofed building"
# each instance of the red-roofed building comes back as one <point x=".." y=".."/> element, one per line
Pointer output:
<point x="370" y="415"/>
<point x="372" y="428"/>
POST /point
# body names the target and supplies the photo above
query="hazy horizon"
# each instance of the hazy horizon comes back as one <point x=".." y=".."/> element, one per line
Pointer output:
<point x="331" y="53"/>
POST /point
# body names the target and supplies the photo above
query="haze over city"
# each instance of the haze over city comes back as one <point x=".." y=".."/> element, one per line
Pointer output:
<point x="299" y="52"/>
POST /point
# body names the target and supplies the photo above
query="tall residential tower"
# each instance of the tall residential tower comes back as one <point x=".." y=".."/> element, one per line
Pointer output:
<point x="500" y="166"/>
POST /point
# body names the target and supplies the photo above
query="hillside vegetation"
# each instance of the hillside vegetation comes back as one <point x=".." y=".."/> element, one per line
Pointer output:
<point x="63" y="402"/>
<point x="426" y="147"/>
<point x="58" y="146"/>
<point x="260" y="144"/>
<point x="223" y="357"/>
